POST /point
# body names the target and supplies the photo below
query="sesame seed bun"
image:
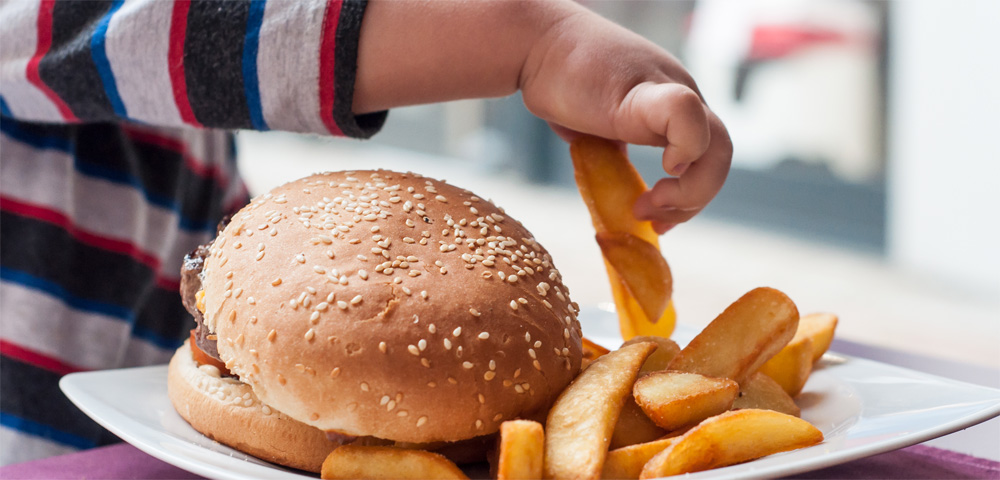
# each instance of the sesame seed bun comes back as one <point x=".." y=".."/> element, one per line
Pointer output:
<point x="227" y="411"/>
<point x="376" y="303"/>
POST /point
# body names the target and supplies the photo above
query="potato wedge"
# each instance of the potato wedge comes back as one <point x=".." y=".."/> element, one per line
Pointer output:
<point x="762" y="392"/>
<point x="522" y="450"/>
<point x="819" y="327"/>
<point x="642" y="268"/>
<point x="591" y="352"/>
<point x="674" y="400"/>
<point x="741" y="338"/>
<point x="627" y="462"/>
<point x="634" y="426"/>
<point x="610" y="185"/>
<point x="726" y="439"/>
<point x="582" y="419"/>
<point x="791" y="366"/>
<point x="351" y="462"/>
<point x="660" y="359"/>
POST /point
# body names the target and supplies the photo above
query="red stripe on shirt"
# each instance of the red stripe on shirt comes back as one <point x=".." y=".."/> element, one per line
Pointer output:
<point x="327" y="64"/>
<point x="175" y="60"/>
<point x="110" y="244"/>
<point x="44" y="43"/>
<point x="37" y="359"/>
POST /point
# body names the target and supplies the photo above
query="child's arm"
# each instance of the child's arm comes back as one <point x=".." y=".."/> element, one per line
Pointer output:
<point x="575" y="69"/>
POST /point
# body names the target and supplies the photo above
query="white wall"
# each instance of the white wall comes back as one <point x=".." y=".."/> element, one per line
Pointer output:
<point x="944" y="141"/>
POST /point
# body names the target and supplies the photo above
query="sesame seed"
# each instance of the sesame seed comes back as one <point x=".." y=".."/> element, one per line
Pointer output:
<point x="276" y="282"/>
<point x="318" y="269"/>
<point x="342" y="305"/>
<point x="422" y="344"/>
<point x="423" y="293"/>
<point x="513" y="305"/>
<point x="531" y="353"/>
<point x="546" y="303"/>
<point x="431" y="328"/>
<point x="452" y="381"/>
<point x="511" y="278"/>
<point x="474" y="312"/>
<point x="314" y="317"/>
<point x="335" y="372"/>
<point x="281" y="379"/>
<point x="538" y="344"/>
<point x="490" y="375"/>
<point x="447" y="344"/>
<point x="385" y="399"/>
<point x="457" y="331"/>
<point x="421" y="421"/>
<point x="467" y="365"/>
<point x="413" y="349"/>
<point x="310" y="335"/>
<point x="537" y="365"/>
<point x="522" y="301"/>
<point x="484" y="335"/>
<point x="272" y="335"/>
<point x="566" y="333"/>
<point x="425" y="362"/>
<point x="479" y="424"/>
<point x="432" y="384"/>
<point x="322" y="306"/>
<point x="364" y="387"/>
<point x="356" y="300"/>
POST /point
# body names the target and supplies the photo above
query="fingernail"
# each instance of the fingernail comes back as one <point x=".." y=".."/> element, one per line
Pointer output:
<point x="680" y="169"/>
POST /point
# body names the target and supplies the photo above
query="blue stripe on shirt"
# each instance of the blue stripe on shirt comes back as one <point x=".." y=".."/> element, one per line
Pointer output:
<point x="65" y="145"/>
<point x="250" y="81"/>
<point x="45" y="431"/>
<point x="4" y="108"/>
<point x="100" y="56"/>
<point x="117" y="312"/>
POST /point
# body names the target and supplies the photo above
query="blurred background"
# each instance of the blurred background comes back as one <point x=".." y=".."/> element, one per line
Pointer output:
<point x="862" y="181"/>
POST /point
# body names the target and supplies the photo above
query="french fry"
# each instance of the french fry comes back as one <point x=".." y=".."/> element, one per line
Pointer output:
<point x="351" y="462"/>
<point x="582" y="419"/>
<point x="591" y="352"/>
<point x="732" y="437"/>
<point x="521" y="452"/>
<point x="660" y="359"/>
<point x="762" y="392"/>
<point x="634" y="426"/>
<point x="673" y="400"/>
<point x="741" y="338"/>
<point x="610" y="186"/>
<point x="791" y="366"/>
<point x="642" y="269"/>
<point x="819" y="327"/>
<point x="627" y="462"/>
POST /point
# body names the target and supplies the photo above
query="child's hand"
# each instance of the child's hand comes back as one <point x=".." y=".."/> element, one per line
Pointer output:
<point x="591" y="76"/>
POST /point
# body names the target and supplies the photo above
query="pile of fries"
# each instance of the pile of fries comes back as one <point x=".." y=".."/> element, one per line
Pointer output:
<point x="648" y="409"/>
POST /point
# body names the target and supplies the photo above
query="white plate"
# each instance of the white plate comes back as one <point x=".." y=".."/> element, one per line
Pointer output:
<point x="862" y="407"/>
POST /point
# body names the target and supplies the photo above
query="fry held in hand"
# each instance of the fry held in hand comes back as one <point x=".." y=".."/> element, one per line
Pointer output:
<point x="642" y="269"/>
<point x="730" y="438"/>
<point x="741" y="338"/>
<point x="350" y="462"/>
<point x="582" y="419"/>
<point x="675" y="400"/>
<point x="610" y="186"/>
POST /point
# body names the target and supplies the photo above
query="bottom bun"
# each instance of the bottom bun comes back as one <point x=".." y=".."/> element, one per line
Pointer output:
<point x="226" y="410"/>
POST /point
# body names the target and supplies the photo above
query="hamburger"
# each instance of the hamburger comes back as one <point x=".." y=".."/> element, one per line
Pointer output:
<point x="369" y="307"/>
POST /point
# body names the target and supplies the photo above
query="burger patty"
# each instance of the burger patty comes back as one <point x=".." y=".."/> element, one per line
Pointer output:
<point x="194" y="262"/>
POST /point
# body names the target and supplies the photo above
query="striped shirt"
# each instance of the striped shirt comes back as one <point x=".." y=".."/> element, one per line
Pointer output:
<point x="116" y="160"/>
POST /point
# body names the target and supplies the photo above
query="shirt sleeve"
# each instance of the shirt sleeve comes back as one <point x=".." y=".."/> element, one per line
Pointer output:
<point x="229" y="64"/>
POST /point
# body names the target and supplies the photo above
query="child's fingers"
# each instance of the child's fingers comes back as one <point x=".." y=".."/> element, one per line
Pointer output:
<point x="670" y="115"/>
<point x="676" y="200"/>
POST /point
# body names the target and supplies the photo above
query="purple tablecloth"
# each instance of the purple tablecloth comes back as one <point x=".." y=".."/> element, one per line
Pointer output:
<point x="124" y="461"/>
